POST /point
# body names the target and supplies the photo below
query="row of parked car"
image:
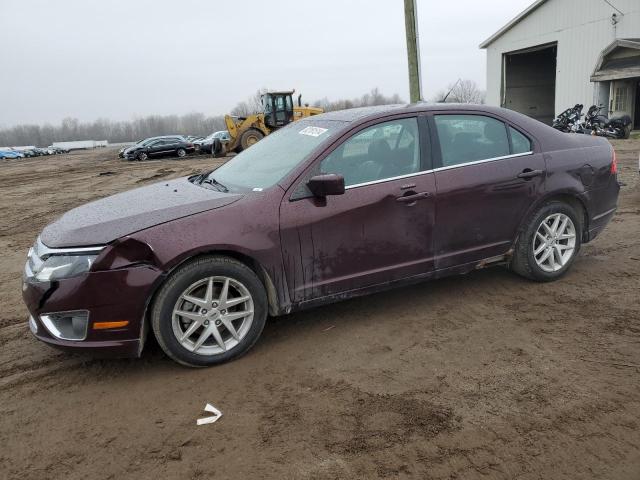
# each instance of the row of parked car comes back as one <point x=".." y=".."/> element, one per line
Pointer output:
<point x="172" y="145"/>
<point x="30" y="152"/>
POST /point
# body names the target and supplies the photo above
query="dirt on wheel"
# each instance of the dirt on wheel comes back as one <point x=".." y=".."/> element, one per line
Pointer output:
<point x="486" y="375"/>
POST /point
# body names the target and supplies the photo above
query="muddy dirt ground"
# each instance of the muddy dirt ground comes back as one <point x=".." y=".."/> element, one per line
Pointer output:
<point x="482" y="376"/>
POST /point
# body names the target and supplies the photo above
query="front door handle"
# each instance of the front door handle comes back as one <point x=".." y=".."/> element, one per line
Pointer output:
<point x="413" y="198"/>
<point x="528" y="174"/>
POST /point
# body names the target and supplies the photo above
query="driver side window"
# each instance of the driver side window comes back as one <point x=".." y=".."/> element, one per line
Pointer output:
<point x="386" y="150"/>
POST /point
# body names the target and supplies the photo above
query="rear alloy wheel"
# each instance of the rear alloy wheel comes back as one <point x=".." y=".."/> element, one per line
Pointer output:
<point x="142" y="156"/>
<point x="209" y="311"/>
<point x="554" y="242"/>
<point x="549" y="244"/>
<point x="250" y="137"/>
<point x="181" y="152"/>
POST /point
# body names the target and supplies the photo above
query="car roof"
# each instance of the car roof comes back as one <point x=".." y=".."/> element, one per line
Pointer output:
<point x="364" y="114"/>
<point x="354" y="114"/>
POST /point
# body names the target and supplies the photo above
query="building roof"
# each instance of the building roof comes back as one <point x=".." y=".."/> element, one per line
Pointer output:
<point x="618" y="68"/>
<point x="521" y="16"/>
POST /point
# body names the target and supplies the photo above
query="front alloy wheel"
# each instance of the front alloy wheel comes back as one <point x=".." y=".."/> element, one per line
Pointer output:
<point x="209" y="311"/>
<point x="213" y="315"/>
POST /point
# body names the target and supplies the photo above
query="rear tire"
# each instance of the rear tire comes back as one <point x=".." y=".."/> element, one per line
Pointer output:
<point x="542" y="254"/>
<point x="172" y="315"/>
<point x="250" y="137"/>
<point x="181" y="152"/>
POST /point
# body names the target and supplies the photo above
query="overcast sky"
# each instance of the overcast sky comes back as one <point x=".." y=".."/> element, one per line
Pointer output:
<point x="120" y="58"/>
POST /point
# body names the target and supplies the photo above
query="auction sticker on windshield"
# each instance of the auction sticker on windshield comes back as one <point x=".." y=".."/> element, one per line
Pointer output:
<point x="312" y="131"/>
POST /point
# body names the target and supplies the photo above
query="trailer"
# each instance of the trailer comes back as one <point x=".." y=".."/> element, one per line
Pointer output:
<point x="19" y="149"/>
<point x="81" y="144"/>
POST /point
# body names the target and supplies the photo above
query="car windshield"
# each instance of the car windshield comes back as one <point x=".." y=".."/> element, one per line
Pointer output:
<point x="268" y="161"/>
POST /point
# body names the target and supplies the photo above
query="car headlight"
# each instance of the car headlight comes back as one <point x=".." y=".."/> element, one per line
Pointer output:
<point x="47" y="264"/>
<point x="62" y="266"/>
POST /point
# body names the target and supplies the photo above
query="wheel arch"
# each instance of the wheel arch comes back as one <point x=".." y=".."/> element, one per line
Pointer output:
<point x="275" y="306"/>
<point x="568" y="197"/>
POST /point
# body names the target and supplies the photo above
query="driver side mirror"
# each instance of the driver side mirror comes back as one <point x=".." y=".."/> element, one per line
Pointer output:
<point x="326" y="184"/>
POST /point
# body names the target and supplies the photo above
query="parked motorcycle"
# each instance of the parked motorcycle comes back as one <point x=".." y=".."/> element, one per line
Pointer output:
<point x="600" y="125"/>
<point x="569" y="121"/>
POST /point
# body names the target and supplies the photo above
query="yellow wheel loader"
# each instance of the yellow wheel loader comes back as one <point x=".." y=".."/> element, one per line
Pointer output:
<point x="277" y="111"/>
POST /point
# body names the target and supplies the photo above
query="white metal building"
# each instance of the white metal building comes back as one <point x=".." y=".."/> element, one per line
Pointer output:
<point x="561" y="52"/>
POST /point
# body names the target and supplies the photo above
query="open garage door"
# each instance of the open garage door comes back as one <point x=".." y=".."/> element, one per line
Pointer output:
<point x="529" y="81"/>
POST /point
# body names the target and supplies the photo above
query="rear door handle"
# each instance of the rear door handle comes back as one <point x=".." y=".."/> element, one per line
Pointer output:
<point x="527" y="173"/>
<point x="414" y="197"/>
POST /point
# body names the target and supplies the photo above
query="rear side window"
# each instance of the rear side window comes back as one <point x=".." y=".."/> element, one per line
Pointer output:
<point x="519" y="143"/>
<point x="470" y="138"/>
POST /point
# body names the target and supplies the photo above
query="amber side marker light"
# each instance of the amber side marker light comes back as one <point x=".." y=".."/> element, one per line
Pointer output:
<point x="107" y="325"/>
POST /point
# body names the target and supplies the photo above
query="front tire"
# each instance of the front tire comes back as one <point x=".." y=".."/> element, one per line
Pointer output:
<point x="142" y="156"/>
<point x="209" y="311"/>
<point x="549" y="243"/>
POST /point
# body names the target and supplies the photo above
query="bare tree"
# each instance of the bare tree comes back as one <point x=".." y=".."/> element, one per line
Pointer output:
<point x="462" y="91"/>
<point x="374" y="97"/>
<point x="251" y="105"/>
<point x="103" y="129"/>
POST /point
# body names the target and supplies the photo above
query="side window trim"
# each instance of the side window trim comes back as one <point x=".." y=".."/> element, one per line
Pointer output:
<point x="508" y="127"/>
<point x="426" y="145"/>
<point x="487" y="160"/>
<point x="384" y="180"/>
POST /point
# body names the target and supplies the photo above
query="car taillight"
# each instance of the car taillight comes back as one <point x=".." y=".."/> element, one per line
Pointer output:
<point x="189" y="145"/>
<point x="614" y="163"/>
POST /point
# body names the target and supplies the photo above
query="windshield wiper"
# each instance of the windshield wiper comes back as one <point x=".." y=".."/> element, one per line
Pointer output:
<point x="215" y="183"/>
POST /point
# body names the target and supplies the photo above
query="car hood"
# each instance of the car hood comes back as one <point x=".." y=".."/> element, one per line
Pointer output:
<point x="102" y="221"/>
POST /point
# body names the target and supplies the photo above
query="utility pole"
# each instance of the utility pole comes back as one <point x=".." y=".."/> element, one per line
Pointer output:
<point x="413" y="49"/>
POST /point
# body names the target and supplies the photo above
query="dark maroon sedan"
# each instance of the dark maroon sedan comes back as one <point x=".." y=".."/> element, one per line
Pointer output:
<point x="334" y="206"/>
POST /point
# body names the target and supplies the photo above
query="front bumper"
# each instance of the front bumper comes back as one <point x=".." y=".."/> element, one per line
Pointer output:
<point x="108" y="296"/>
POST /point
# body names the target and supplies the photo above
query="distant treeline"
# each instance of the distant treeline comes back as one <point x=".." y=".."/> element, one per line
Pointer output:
<point x="115" y="132"/>
<point x="153" y="125"/>
<point x="367" y="100"/>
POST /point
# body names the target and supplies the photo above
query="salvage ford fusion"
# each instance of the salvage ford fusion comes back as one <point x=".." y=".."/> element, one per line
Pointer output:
<point x="337" y="205"/>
